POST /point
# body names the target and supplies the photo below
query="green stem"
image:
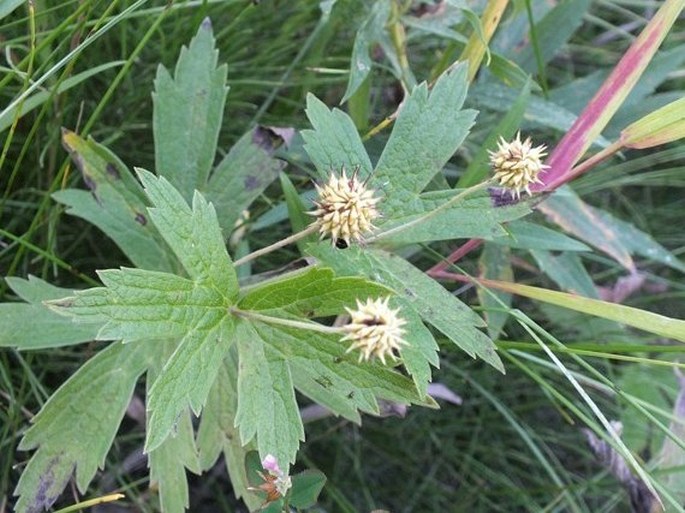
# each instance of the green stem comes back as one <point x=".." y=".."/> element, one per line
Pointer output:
<point x="279" y="321"/>
<point x="428" y="215"/>
<point x="276" y="245"/>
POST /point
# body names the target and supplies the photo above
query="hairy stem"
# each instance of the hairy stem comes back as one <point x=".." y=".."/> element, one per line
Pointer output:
<point x="276" y="245"/>
<point x="300" y="325"/>
<point x="428" y="215"/>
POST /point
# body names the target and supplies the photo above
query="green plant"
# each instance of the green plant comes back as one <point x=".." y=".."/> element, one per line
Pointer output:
<point x="235" y="349"/>
<point x="181" y="314"/>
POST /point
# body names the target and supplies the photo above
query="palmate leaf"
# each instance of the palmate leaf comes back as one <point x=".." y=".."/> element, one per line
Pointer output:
<point x="311" y="292"/>
<point x="217" y="432"/>
<point x="418" y="149"/>
<point x="334" y="143"/>
<point x="188" y="109"/>
<point x="420" y="144"/>
<point x="47" y="329"/>
<point x="186" y="314"/>
<point x="416" y="292"/>
<point x="169" y="461"/>
<point x="115" y="203"/>
<point x="315" y="292"/>
<point x="75" y="428"/>
<point x="267" y="407"/>
<point x="274" y="359"/>
<point x="431" y="218"/>
<point x="137" y="305"/>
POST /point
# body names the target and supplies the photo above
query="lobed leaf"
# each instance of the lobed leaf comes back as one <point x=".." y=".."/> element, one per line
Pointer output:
<point x="217" y="432"/>
<point x="419" y="145"/>
<point x="188" y="109"/>
<point x="170" y="459"/>
<point x="322" y="370"/>
<point x="431" y="218"/>
<point x="116" y="203"/>
<point x="267" y="408"/>
<point x="168" y="463"/>
<point x="311" y="292"/>
<point x="137" y="305"/>
<point x="193" y="234"/>
<point x="242" y="175"/>
<point x="75" y="428"/>
<point x="32" y="325"/>
<point x="186" y="378"/>
<point x="417" y="292"/>
<point x="334" y="143"/>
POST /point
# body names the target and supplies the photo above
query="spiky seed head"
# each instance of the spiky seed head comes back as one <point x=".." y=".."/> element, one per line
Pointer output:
<point x="375" y="329"/>
<point x="517" y="164"/>
<point x="345" y="208"/>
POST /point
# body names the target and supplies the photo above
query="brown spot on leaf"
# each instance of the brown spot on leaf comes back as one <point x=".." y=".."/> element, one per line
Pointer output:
<point x="48" y="489"/>
<point x="90" y="183"/>
<point x="270" y="138"/>
<point x="113" y="171"/>
<point x="92" y="186"/>
<point x="251" y="182"/>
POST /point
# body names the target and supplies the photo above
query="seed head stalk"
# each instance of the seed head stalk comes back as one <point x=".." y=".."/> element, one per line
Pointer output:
<point x="397" y="229"/>
<point x="276" y="245"/>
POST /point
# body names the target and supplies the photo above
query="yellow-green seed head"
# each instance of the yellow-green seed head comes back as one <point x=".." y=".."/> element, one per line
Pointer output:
<point x="345" y="208"/>
<point x="375" y="329"/>
<point x="517" y="164"/>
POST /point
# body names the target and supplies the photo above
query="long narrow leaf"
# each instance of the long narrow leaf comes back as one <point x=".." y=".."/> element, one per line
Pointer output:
<point x="641" y="319"/>
<point x="610" y="96"/>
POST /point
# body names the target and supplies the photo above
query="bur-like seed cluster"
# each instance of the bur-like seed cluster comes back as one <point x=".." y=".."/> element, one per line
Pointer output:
<point x="345" y="208"/>
<point x="375" y="329"/>
<point x="517" y="164"/>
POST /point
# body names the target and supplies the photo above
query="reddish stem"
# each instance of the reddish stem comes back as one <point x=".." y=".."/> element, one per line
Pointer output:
<point x="455" y="256"/>
<point x="448" y="276"/>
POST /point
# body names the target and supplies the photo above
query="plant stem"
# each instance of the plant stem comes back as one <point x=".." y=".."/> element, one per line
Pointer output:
<point x="300" y="325"/>
<point x="428" y="215"/>
<point x="587" y="164"/>
<point x="456" y="255"/>
<point x="276" y="245"/>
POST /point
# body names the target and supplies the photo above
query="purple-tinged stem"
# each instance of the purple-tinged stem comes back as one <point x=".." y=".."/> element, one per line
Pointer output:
<point x="609" y="98"/>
